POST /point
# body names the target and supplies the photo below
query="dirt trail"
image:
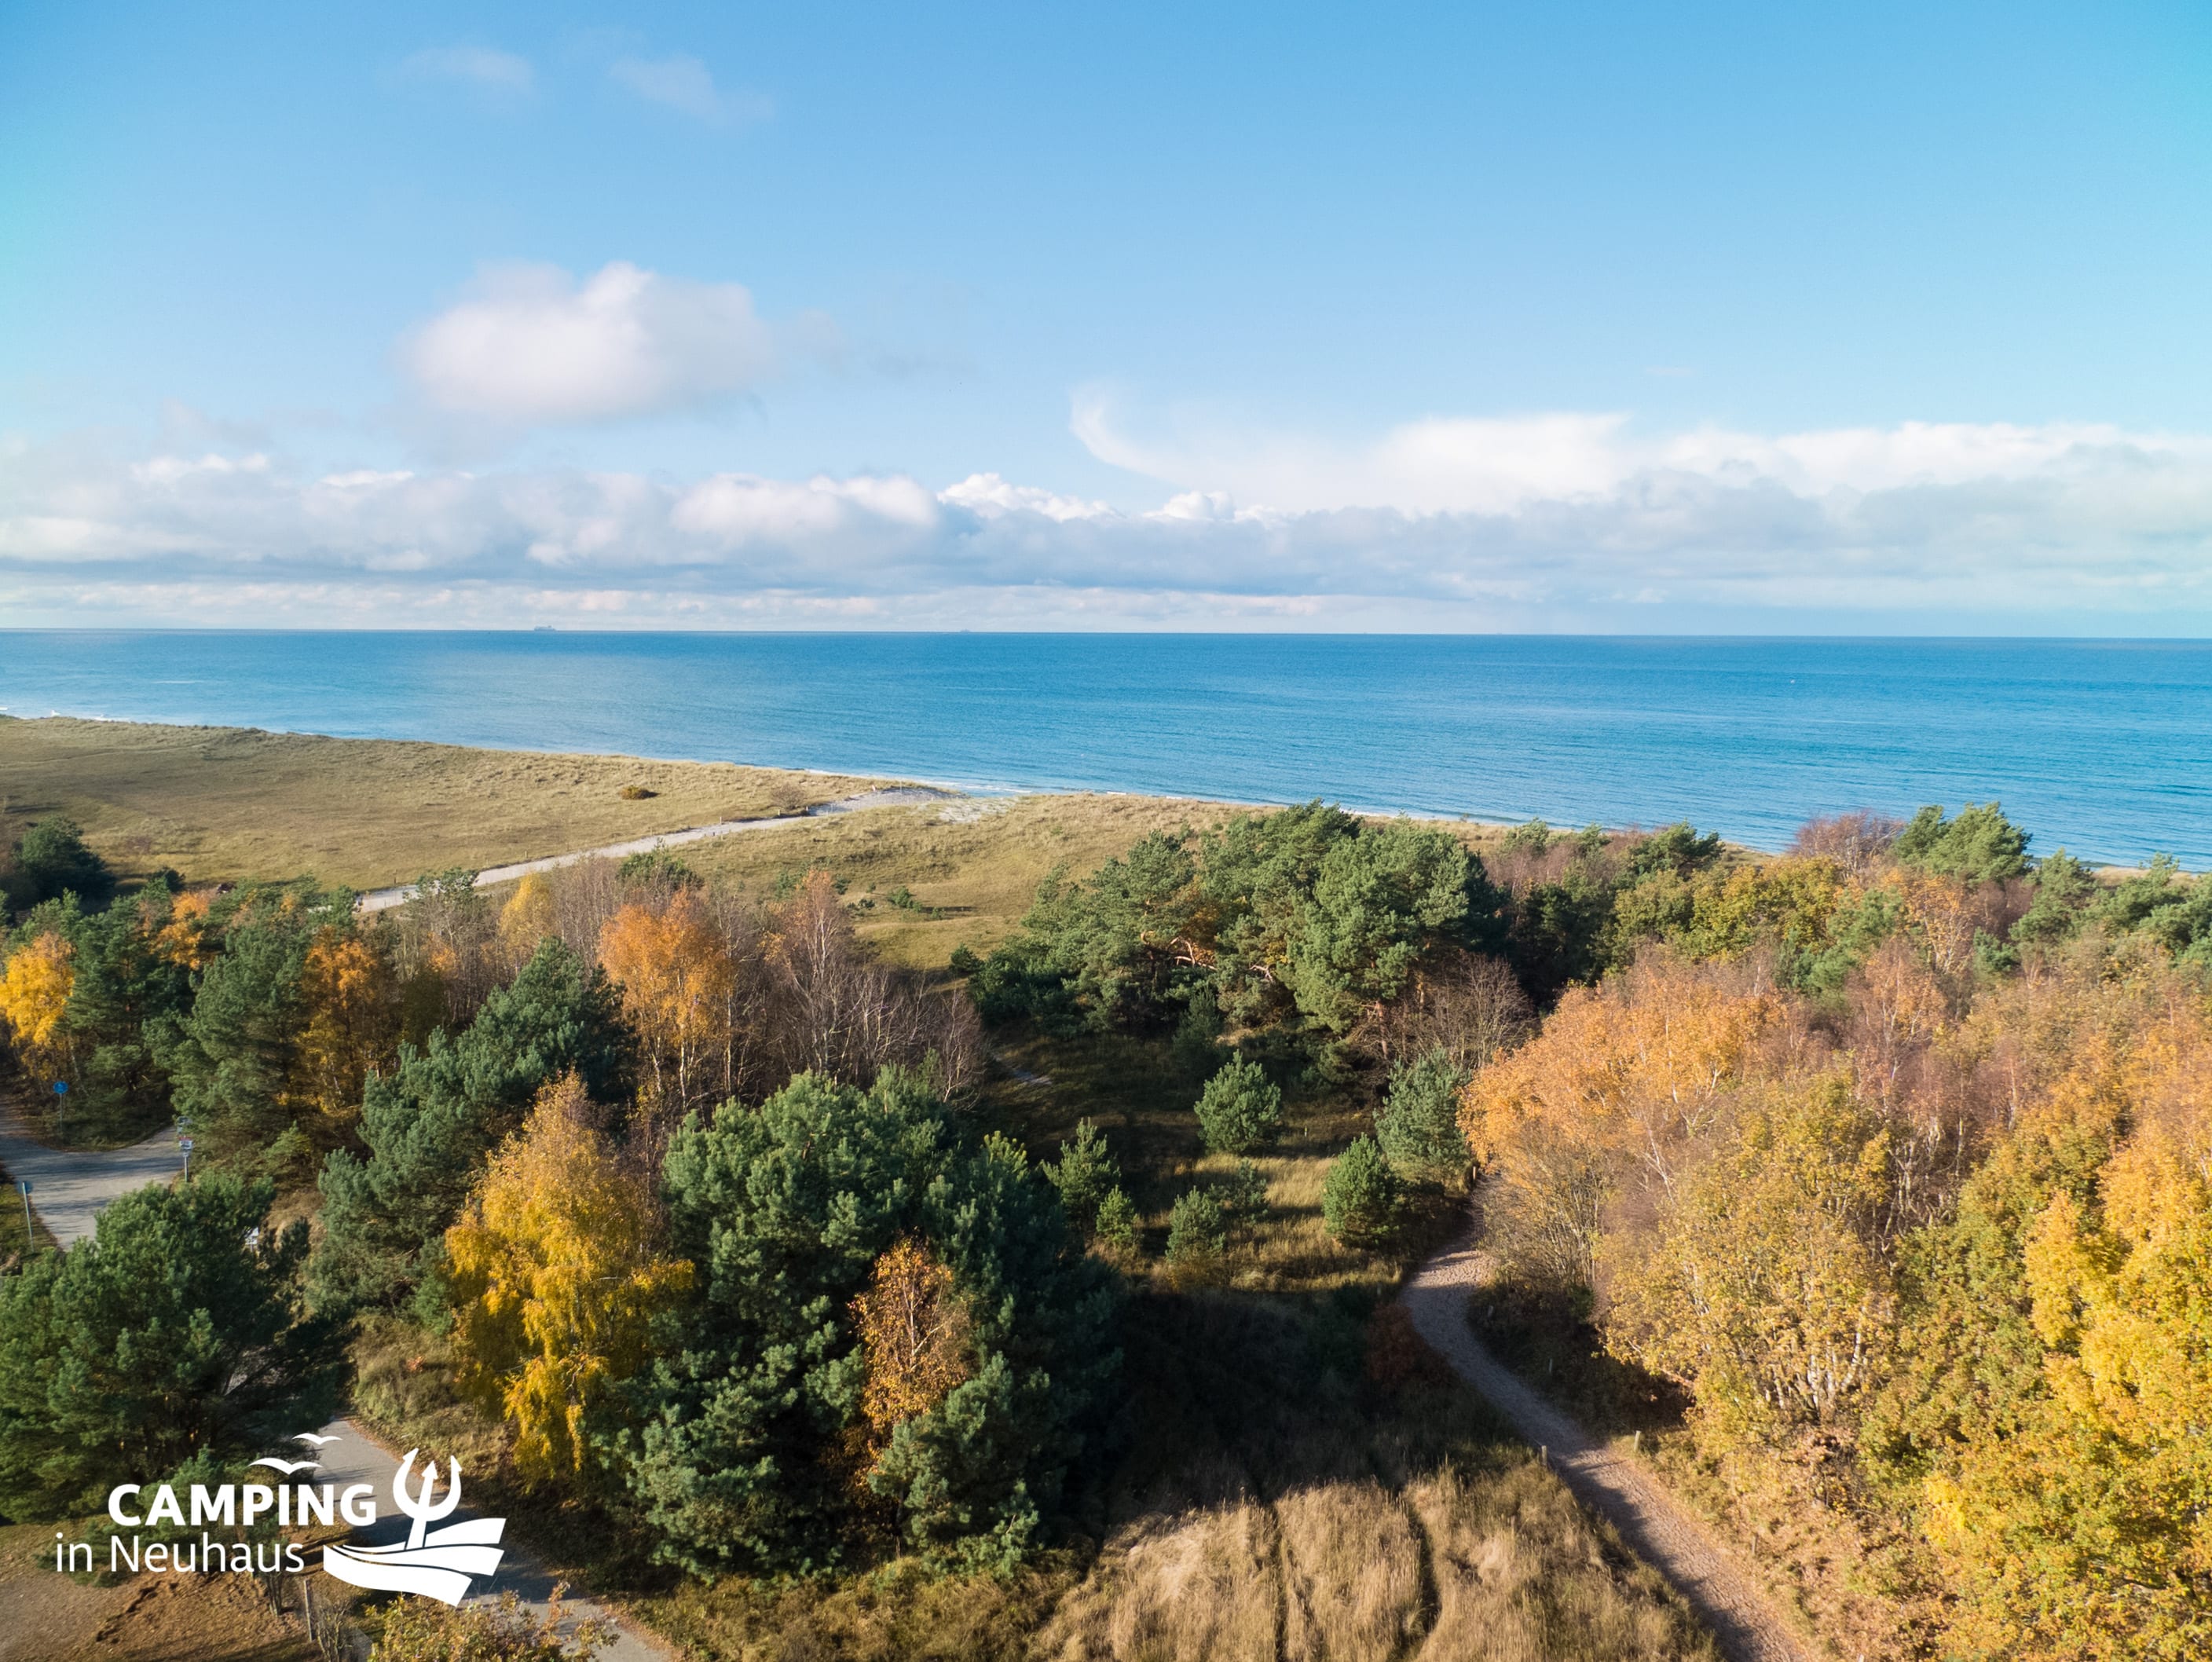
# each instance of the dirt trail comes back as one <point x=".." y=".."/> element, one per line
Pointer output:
<point x="1656" y="1526"/>
<point x="378" y="900"/>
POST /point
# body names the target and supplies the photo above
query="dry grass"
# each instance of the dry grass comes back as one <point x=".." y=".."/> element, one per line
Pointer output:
<point x="1499" y="1567"/>
<point x="1272" y="1508"/>
<point x="152" y="1617"/>
<point x="221" y="803"/>
<point x="972" y="865"/>
<point x="901" y="1613"/>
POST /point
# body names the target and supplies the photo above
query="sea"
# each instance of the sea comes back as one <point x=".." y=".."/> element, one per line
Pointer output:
<point x="2102" y="747"/>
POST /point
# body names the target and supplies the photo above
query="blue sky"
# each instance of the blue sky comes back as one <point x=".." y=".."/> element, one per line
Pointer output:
<point x="1582" y="317"/>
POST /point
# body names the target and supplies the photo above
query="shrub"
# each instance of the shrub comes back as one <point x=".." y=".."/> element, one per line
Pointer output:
<point x="1085" y="1174"/>
<point x="1418" y="1129"/>
<point x="417" y="1630"/>
<point x="1239" y="1110"/>
<point x="656" y="868"/>
<point x="1012" y="983"/>
<point x="1360" y="1197"/>
<point x="636" y="793"/>
<point x="1197" y="1230"/>
<point x="1245" y="1195"/>
<point x="1117" y="1222"/>
<point x="52" y="860"/>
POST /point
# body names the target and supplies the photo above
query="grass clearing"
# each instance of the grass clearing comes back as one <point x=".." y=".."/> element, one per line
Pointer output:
<point x="971" y="865"/>
<point x="151" y="1617"/>
<point x="223" y="803"/>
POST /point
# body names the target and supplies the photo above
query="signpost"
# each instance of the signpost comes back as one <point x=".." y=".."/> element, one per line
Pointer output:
<point x="61" y="1101"/>
<point x="185" y="1144"/>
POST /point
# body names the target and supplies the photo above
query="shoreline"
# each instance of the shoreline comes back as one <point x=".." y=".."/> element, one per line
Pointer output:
<point x="877" y="785"/>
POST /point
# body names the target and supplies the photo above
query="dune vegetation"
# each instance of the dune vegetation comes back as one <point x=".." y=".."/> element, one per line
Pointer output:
<point x="968" y="1228"/>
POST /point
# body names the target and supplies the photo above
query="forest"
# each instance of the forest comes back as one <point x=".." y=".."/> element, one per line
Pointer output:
<point x="1865" y="1184"/>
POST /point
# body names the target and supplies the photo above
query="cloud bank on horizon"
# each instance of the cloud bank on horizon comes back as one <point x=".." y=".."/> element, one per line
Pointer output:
<point x="1562" y="519"/>
<point x="1559" y="519"/>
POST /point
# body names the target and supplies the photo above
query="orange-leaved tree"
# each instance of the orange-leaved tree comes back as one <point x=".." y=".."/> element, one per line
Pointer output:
<point x="557" y="1275"/>
<point x="672" y="962"/>
<point x="186" y="937"/>
<point x="1623" y="1077"/>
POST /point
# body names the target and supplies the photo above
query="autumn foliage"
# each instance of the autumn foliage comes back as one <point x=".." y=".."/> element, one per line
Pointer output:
<point x="677" y="976"/>
<point x="556" y="1280"/>
<point x="913" y="1333"/>
<point x="1900" y="1194"/>
<point x="34" y="991"/>
<point x="350" y="1000"/>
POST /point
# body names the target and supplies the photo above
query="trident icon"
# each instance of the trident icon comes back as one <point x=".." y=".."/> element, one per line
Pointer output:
<point x="418" y="1506"/>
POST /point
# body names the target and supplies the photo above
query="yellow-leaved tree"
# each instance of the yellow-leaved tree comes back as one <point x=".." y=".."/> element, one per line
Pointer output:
<point x="34" y="993"/>
<point x="528" y="917"/>
<point x="351" y="998"/>
<point x="2081" y="1526"/>
<point x="557" y="1274"/>
<point x="1766" y="1286"/>
<point x="915" y="1338"/>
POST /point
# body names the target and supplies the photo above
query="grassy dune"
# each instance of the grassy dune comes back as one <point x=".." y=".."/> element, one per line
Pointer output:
<point x="220" y="804"/>
<point x="972" y="865"/>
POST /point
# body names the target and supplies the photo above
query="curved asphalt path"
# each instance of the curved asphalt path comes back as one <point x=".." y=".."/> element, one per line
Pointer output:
<point x="68" y="1186"/>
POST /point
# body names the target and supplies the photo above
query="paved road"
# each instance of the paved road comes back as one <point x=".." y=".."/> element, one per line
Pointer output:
<point x="68" y="1186"/>
<point x="377" y="899"/>
<point x="1651" y="1521"/>
<point x="358" y="1457"/>
<point x="68" y="1189"/>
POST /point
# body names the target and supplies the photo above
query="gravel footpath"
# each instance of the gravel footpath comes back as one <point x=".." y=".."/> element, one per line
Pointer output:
<point x="1656" y="1526"/>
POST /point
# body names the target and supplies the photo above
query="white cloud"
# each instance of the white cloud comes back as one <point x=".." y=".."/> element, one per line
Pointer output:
<point x="683" y="82"/>
<point x="479" y="66"/>
<point x="990" y="496"/>
<point x="1581" y="523"/>
<point x="1487" y="466"/>
<point x="531" y="346"/>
